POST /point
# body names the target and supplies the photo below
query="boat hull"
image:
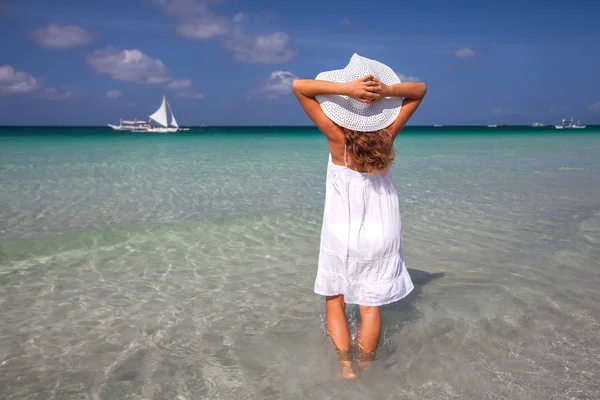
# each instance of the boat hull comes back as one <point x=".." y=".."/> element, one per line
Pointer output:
<point x="570" y="127"/>
<point x="162" y="130"/>
<point x="118" y="127"/>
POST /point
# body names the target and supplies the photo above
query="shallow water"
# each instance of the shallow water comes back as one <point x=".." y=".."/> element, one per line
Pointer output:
<point x="181" y="267"/>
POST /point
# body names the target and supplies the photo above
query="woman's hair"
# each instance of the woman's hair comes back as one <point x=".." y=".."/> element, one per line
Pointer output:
<point x="370" y="151"/>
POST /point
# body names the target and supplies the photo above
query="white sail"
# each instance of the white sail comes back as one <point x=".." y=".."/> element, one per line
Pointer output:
<point x="173" y="120"/>
<point x="160" y="115"/>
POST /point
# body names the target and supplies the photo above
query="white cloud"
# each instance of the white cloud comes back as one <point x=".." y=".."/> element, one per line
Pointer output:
<point x="134" y="66"/>
<point x="15" y="82"/>
<point x="113" y="94"/>
<point x="278" y="83"/>
<point x="272" y="48"/>
<point x="62" y="36"/>
<point x="202" y="29"/>
<point x="128" y="65"/>
<point x="57" y="94"/>
<point x="239" y="18"/>
<point x="405" y="78"/>
<point x="18" y="82"/>
<point x="595" y="106"/>
<point x="465" y="52"/>
<point x="179" y="84"/>
<point x="197" y="21"/>
<point x="184" y="89"/>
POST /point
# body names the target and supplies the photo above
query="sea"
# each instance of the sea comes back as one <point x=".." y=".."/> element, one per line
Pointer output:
<point x="181" y="266"/>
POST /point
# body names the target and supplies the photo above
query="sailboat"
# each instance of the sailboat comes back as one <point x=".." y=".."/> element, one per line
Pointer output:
<point x="160" y="117"/>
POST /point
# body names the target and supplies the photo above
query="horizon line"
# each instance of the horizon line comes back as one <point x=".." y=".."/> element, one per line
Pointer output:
<point x="280" y="126"/>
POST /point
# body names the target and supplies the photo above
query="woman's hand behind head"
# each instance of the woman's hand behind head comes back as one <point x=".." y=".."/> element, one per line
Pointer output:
<point x="366" y="89"/>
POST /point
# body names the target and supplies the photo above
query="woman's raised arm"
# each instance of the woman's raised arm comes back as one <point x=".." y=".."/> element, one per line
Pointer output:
<point x="365" y="89"/>
<point x="413" y="93"/>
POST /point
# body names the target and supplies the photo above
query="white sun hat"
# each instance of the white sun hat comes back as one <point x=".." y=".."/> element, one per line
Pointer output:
<point x="353" y="114"/>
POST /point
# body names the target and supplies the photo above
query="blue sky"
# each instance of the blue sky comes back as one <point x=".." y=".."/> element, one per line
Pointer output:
<point x="230" y="62"/>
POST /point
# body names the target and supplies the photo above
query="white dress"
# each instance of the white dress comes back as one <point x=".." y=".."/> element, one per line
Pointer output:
<point x="361" y="239"/>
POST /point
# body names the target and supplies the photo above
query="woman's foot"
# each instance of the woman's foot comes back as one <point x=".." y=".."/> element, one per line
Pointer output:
<point x="365" y="361"/>
<point x="364" y="365"/>
<point x="345" y="359"/>
<point x="347" y="371"/>
<point x="365" y="358"/>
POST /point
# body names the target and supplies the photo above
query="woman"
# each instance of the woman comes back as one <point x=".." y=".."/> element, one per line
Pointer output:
<point x="360" y="109"/>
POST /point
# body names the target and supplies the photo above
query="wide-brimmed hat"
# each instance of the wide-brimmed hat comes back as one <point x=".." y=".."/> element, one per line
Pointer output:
<point x="353" y="114"/>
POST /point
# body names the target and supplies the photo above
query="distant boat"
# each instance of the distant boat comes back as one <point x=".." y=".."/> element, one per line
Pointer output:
<point x="537" y="125"/>
<point x="569" y="124"/>
<point x="160" y="117"/>
<point x="437" y="126"/>
<point x="492" y="126"/>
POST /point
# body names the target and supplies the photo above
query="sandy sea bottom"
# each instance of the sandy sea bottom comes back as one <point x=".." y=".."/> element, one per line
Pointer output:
<point x="182" y="268"/>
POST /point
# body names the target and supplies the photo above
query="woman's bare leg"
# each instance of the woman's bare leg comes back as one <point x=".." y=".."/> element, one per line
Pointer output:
<point x="337" y="329"/>
<point x="368" y="334"/>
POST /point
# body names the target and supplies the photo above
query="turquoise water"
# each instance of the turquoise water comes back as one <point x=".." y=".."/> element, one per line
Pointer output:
<point x="181" y="266"/>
